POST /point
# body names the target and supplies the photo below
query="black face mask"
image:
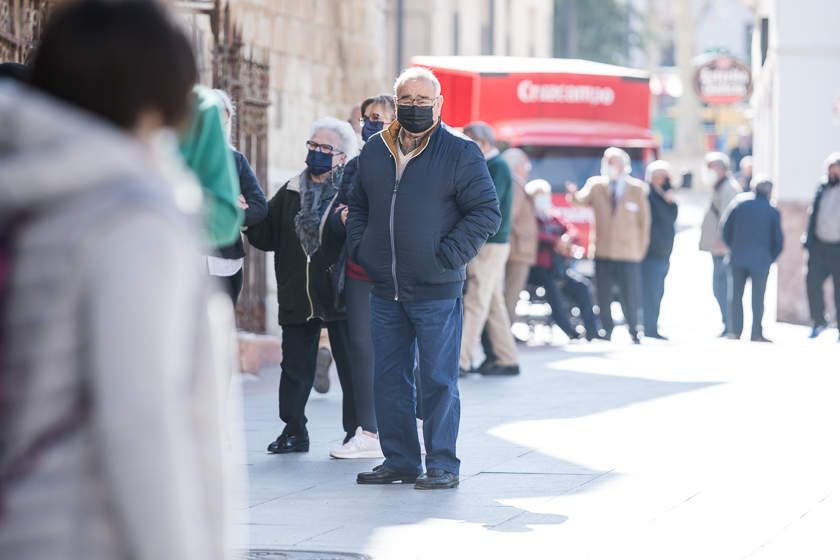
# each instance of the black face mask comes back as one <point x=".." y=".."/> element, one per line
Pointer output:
<point x="833" y="180"/>
<point x="415" y="119"/>
<point x="666" y="185"/>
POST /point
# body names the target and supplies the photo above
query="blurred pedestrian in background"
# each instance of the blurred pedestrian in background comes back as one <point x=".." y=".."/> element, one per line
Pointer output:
<point x="622" y="235"/>
<point x="111" y="431"/>
<point x="745" y="173"/>
<point x="305" y="253"/>
<point x="422" y="206"/>
<point x="822" y="239"/>
<point x="354" y="286"/>
<point x="752" y="229"/>
<point x="724" y="188"/>
<point x="205" y="148"/>
<point x="523" y="229"/>
<point x="227" y="262"/>
<point x="484" y="300"/>
<point x="552" y="271"/>
<point x="663" y="219"/>
<point x="742" y="149"/>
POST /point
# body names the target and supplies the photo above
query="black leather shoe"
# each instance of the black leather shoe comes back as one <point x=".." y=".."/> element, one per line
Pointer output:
<point x="286" y="443"/>
<point x="436" y="479"/>
<point x="384" y="475"/>
<point x="497" y="369"/>
<point x="634" y="336"/>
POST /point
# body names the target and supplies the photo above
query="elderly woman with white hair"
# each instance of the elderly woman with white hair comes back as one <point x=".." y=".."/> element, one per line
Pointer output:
<point x="663" y="219"/>
<point x="306" y="296"/>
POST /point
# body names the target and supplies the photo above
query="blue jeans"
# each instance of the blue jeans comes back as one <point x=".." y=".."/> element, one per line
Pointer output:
<point x="402" y="330"/>
<point x="722" y="286"/>
<point x="654" y="271"/>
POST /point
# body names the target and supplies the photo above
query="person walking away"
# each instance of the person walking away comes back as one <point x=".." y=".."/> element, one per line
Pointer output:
<point x="822" y="240"/>
<point x="354" y="285"/>
<point x="421" y="207"/>
<point x="523" y="229"/>
<point x="663" y="219"/>
<point x="484" y="301"/>
<point x="622" y="235"/>
<point x="112" y="377"/>
<point x="743" y="147"/>
<point x="716" y="175"/>
<point x="305" y="253"/>
<point x="752" y="229"/>
<point x="227" y="262"/>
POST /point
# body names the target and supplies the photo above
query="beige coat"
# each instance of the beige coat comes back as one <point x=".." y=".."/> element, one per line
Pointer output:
<point x="524" y="236"/>
<point x="623" y="233"/>
<point x="711" y="238"/>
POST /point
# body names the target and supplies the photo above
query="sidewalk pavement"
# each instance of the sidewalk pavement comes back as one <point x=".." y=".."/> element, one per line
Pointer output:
<point x="694" y="448"/>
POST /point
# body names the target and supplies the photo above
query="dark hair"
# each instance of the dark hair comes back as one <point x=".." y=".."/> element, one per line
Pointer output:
<point x="383" y="99"/>
<point x="116" y="58"/>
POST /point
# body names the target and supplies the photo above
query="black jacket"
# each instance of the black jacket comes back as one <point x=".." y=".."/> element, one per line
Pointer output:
<point x="809" y="239"/>
<point x="663" y="219"/>
<point x="752" y="229"/>
<point x="250" y="188"/>
<point x="304" y="290"/>
<point x="414" y="236"/>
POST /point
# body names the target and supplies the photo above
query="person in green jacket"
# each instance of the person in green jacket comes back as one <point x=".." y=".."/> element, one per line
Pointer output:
<point x="204" y="147"/>
<point x="484" y="301"/>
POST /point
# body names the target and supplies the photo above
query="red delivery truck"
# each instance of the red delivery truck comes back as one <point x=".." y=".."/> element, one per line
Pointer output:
<point x="563" y="113"/>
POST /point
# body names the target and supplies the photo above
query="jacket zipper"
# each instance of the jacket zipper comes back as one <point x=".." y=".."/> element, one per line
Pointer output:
<point x="309" y="260"/>
<point x="393" y="242"/>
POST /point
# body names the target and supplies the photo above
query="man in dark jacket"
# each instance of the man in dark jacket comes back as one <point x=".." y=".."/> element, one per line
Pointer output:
<point x="422" y="206"/>
<point x="663" y="219"/>
<point x="305" y="253"/>
<point x="823" y="243"/>
<point x="752" y="229"/>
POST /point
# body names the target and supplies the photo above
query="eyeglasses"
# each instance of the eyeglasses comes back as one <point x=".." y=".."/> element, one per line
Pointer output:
<point x="374" y="118"/>
<point x="323" y="148"/>
<point x="420" y="101"/>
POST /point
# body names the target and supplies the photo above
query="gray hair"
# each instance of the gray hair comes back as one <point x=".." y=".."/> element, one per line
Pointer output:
<point x="656" y="166"/>
<point x="717" y="158"/>
<point x="480" y="131"/>
<point x="612" y="152"/>
<point x="746" y="160"/>
<point x="832" y="159"/>
<point x="762" y="184"/>
<point x="417" y="73"/>
<point x="226" y="101"/>
<point x="346" y="134"/>
<point x="514" y="156"/>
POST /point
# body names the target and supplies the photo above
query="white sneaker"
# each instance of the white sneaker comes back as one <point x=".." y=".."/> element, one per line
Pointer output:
<point x="420" y="437"/>
<point x="360" y="446"/>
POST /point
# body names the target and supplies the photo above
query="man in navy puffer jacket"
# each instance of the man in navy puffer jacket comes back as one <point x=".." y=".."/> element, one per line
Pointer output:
<point x="422" y="206"/>
<point x="752" y="229"/>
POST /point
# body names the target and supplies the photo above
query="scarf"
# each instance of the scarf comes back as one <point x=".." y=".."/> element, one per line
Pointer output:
<point x="314" y="200"/>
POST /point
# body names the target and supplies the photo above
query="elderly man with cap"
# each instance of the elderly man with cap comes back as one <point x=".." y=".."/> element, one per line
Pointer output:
<point x="484" y="300"/>
<point x="752" y="229"/>
<point x="622" y="234"/>
<point x="823" y="243"/>
<point x="716" y="176"/>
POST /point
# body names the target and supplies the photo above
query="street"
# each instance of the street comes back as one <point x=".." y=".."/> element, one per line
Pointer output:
<point x="694" y="448"/>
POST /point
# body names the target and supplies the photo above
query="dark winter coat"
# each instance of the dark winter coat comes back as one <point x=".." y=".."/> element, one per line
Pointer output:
<point x="663" y="219"/>
<point x="414" y="236"/>
<point x="752" y="229"/>
<point x="305" y="288"/>
<point x="810" y="239"/>
<point x="250" y="188"/>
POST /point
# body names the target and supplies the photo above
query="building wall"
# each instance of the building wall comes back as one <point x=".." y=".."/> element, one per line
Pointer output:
<point x="797" y="123"/>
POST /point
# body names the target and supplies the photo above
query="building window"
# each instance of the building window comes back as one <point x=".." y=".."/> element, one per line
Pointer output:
<point x="764" y="39"/>
<point x="456" y="33"/>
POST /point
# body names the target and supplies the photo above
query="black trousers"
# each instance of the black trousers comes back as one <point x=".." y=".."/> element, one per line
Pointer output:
<point x="626" y="277"/>
<point x="823" y="262"/>
<point x="357" y="298"/>
<point x="233" y="285"/>
<point x="300" y="351"/>
<point x="758" y="276"/>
